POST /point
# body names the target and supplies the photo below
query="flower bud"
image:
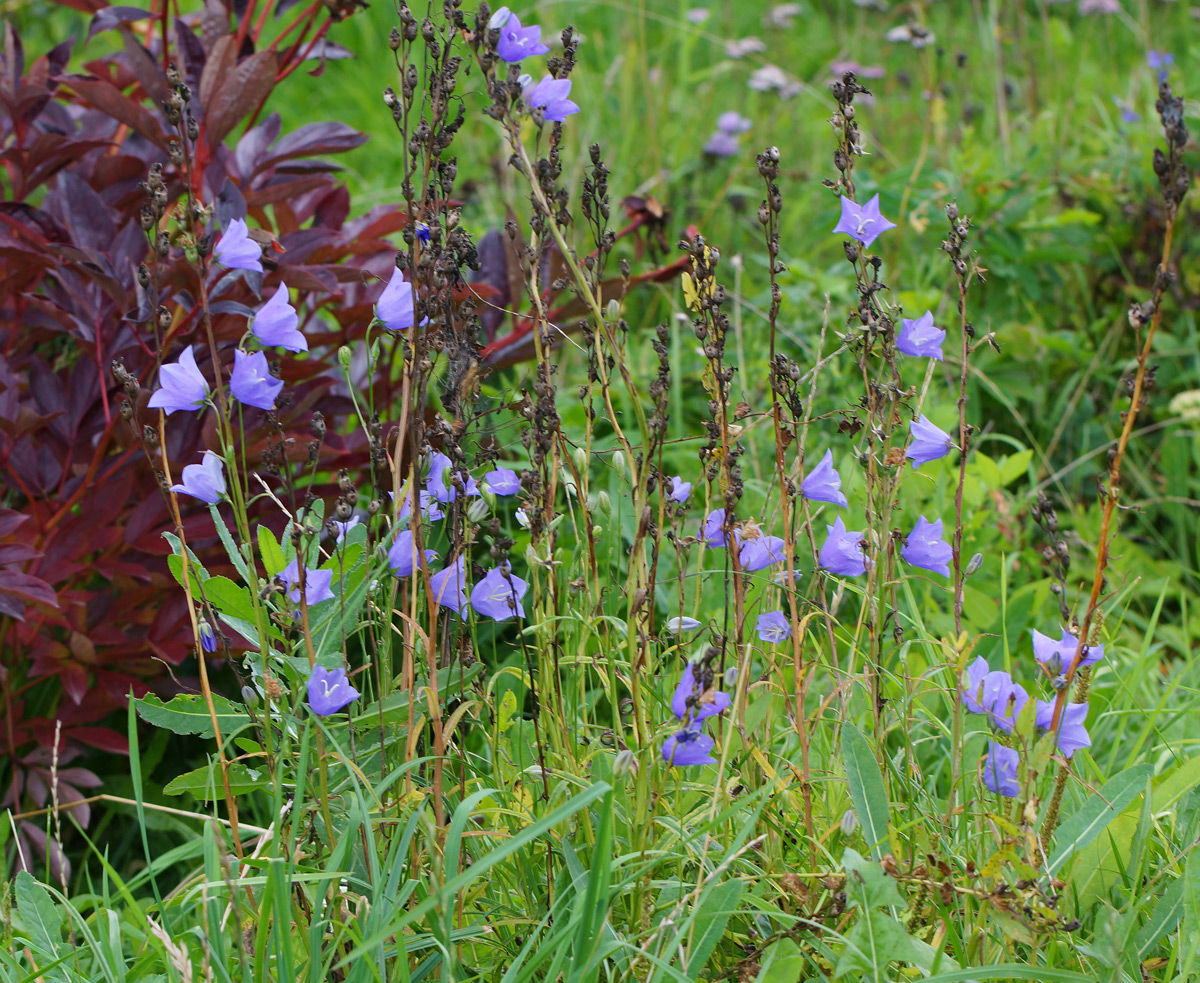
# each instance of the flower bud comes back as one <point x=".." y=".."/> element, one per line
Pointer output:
<point x="625" y="764"/>
<point x="612" y="310"/>
<point x="499" y="18"/>
<point x="477" y="510"/>
<point x="344" y="358"/>
<point x="618" y="460"/>
<point x="522" y="518"/>
<point x="604" y="503"/>
<point x="580" y="456"/>
<point x="849" y="822"/>
<point x="974" y="564"/>
<point x="250" y="696"/>
<point x="731" y="676"/>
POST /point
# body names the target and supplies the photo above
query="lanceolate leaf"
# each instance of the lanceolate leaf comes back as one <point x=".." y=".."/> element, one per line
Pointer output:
<point x="1079" y="829"/>
<point x="188" y="714"/>
<point x="866" y="789"/>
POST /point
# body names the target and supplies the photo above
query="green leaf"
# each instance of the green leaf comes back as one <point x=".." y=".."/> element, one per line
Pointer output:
<point x="229" y="598"/>
<point x="507" y="710"/>
<point x="1079" y="829"/>
<point x="715" y="909"/>
<point x="876" y="940"/>
<point x="866" y="789"/>
<point x="188" y="714"/>
<point x="1190" y="934"/>
<point x="867" y="886"/>
<point x="1163" y="919"/>
<point x="231" y="549"/>
<point x="206" y="783"/>
<point x="450" y="680"/>
<point x="268" y="548"/>
<point x="40" y="916"/>
<point x="782" y="963"/>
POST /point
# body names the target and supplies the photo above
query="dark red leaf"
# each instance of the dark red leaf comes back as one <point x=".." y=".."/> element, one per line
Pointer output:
<point x="111" y="17"/>
<point x="240" y="92"/>
<point x="109" y="100"/>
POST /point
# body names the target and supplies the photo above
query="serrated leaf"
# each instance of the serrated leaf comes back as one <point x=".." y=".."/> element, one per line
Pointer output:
<point x="188" y="713"/>
<point x="866" y="789"/>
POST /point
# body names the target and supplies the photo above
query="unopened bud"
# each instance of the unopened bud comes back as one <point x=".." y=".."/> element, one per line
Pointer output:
<point x="580" y="456"/>
<point x="849" y="822"/>
<point x="344" y="354"/>
<point x="477" y="510"/>
<point x="604" y="503"/>
<point x="974" y="564"/>
<point x="625" y="764"/>
<point x="612" y="310"/>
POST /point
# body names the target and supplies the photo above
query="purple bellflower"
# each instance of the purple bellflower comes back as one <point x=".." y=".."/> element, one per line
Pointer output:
<point x="823" y="483"/>
<point x="1162" y="60"/>
<point x="430" y="509"/>
<point x="722" y="144"/>
<point x="1056" y="656"/>
<point x="344" y="527"/>
<point x="498" y="595"/>
<point x="329" y="692"/>
<point x="424" y="233"/>
<point x="277" y="324"/>
<point x="733" y="122"/>
<point x="182" y="386"/>
<point x="237" y="250"/>
<point x="1000" y="770"/>
<point x="690" y="746"/>
<point x="928" y="442"/>
<point x="1002" y="699"/>
<point x="862" y="222"/>
<point x="713" y="530"/>
<point x="317" y="583"/>
<point x="926" y="549"/>
<point x="687" y="698"/>
<point x="841" y="553"/>
<point x="517" y="42"/>
<point x="758" y="554"/>
<point x="972" y="691"/>
<point x="395" y="305"/>
<point x="680" y="491"/>
<point x="447" y="586"/>
<point x="441" y="479"/>
<point x="502" y="481"/>
<point x="1072" y="735"/>
<point x="920" y="337"/>
<point x="774" y="627"/>
<point x="552" y="95"/>
<point x="205" y="481"/>
<point x="251" y="382"/>
<point x="208" y="637"/>
<point x="402" y="557"/>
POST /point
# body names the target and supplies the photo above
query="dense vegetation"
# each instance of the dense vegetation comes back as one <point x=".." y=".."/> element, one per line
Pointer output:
<point x="664" y="493"/>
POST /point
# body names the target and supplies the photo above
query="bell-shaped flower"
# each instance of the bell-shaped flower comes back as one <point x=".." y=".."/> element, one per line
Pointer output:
<point x="774" y="627"/>
<point x="758" y="554"/>
<point x="1072" y="734"/>
<point x="691" y="703"/>
<point x="919" y="337"/>
<point x="182" y="385"/>
<point x="278" y="325"/>
<point x="677" y="626"/>
<point x="344" y="527"/>
<point x="441" y="481"/>
<point x="1002" y="699"/>
<point x="498" y="595"/>
<point x="205" y="481"/>
<point x="1000" y="770"/>
<point x="448" y="586"/>
<point x="236" y="250"/>
<point x="1056" y="656"/>
<point x="823" y="483"/>
<point x="317" y="583"/>
<point x="926" y="549"/>
<point x="971" y="687"/>
<point x="928" y="442"/>
<point x="251" y="382"/>
<point x="502" y="481"/>
<point x="680" y="491"/>
<point x="402" y="556"/>
<point x="689" y="746"/>
<point x="841" y="553"/>
<point x="862" y="222"/>
<point x="395" y="305"/>
<point x="329" y="691"/>
<point x="551" y="95"/>
<point x="208" y="637"/>
<point x="713" y="530"/>
<point x="517" y="42"/>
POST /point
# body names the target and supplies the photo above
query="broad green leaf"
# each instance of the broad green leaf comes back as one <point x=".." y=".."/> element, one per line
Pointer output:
<point x="782" y="963"/>
<point x="268" y="548"/>
<point x="875" y="941"/>
<point x="206" y="782"/>
<point x="40" y="916"/>
<point x="1079" y="829"/>
<point x="507" y="710"/>
<point x="716" y="907"/>
<point x="1163" y="918"/>
<point x="866" y="789"/>
<point x="867" y="886"/>
<point x="188" y="714"/>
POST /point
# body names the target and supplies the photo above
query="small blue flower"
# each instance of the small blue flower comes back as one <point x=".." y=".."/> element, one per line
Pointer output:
<point x="920" y="338"/>
<point x="690" y="746"/>
<point x="713" y="530"/>
<point x="758" y="554"/>
<point x="329" y="692"/>
<point x="317" y="583"/>
<point x="424" y="234"/>
<point x="1000" y="770"/>
<point x="498" y="595"/>
<point x="517" y="42"/>
<point x="774" y="627"/>
<point x="448" y="586"/>
<point x="680" y="491"/>
<point x="251" y="382"/>
<point x="402" y="557"/>
<point x="926" y="549"/>
<point x="1056" y="656"/>
<point x="502" y="481"/>
<point x="823" y="483"/>
<point x="862" y="222"/>
<point x="1072" y="735"/>
<point x="395" y="305"/>
<point x="277" y="324"/>
<point x="182" y="386"/>
<point x="688" y="697"/>
<point x="841" y="553"/>
<point x="552" y="95"/>
<point x="205" y="481"/>
<point x="928" y="442"/>
<point x="236" y="250"/>
<point x="208" y="637"/>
